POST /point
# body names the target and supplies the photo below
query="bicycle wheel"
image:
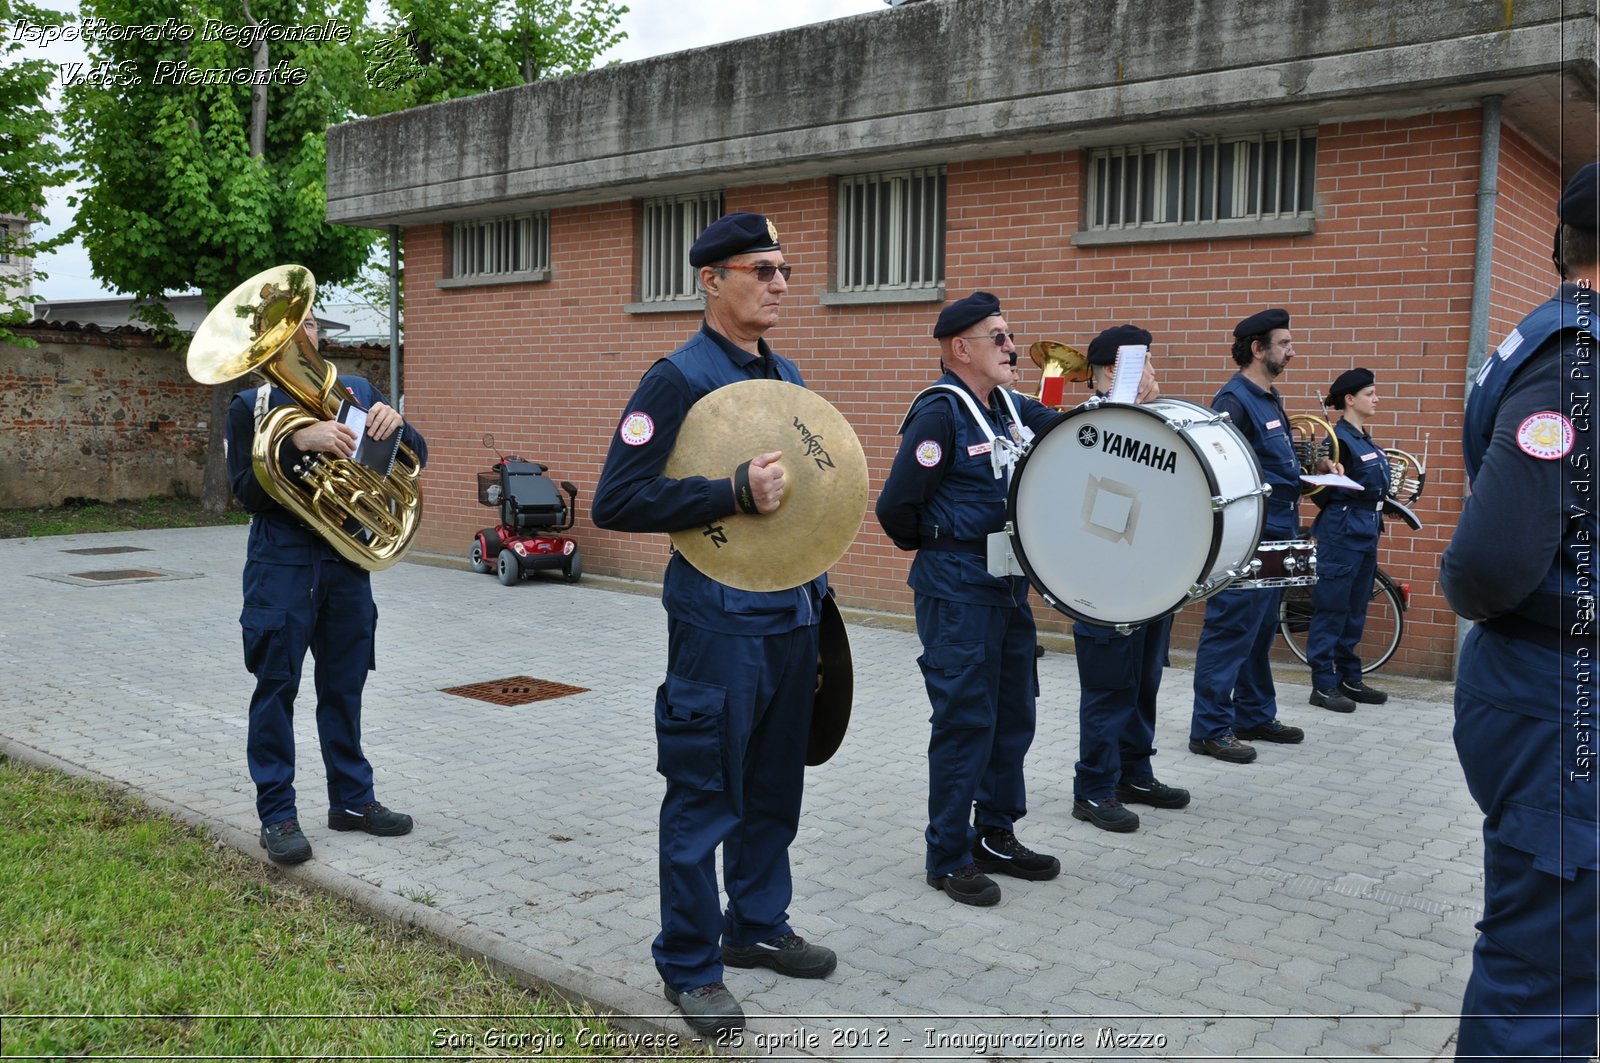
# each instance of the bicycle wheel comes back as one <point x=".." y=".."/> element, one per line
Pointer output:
<point x="1386" y="622"/>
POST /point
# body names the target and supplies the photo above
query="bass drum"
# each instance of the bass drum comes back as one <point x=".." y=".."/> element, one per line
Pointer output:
<point x="1121" y="514"/>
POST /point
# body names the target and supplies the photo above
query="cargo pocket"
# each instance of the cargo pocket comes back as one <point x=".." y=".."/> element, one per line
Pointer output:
<point x="953" y="669"/>
<point x="1331" y="592"/>
<point x="265" y="655"/>
<point x="1105" y="663"/>
<point x="1560" y="845"/>
<point x="689" y="730"/>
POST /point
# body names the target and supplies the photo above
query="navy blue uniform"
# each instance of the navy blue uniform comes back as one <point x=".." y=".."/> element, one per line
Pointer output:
<point x="298" y="595"/>
<point x="1119" y="676"/>
<point x="1347" y="533"/>
<point x="942" y="499"/>
<point x="1233" y="688"/>
<point x="1521" y="563"/>
<point x="733" y="714"/>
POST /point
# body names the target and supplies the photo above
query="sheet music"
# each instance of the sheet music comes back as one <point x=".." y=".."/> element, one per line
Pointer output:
<point x="1130" y="370"/>
<point x="1331" y="479"/>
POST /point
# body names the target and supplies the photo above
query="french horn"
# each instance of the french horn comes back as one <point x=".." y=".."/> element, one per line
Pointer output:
<point x="369" y="519"/>
<point x="1313" y="441"/>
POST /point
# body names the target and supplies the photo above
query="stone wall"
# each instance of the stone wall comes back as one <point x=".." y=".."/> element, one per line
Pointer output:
<point x="109" y="414"/>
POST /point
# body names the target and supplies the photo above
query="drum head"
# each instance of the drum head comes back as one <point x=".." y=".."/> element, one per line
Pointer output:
<point x="1112" y="516"/>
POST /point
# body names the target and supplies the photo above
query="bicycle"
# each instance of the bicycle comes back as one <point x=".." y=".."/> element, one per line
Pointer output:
<point x="1386" y="621"/>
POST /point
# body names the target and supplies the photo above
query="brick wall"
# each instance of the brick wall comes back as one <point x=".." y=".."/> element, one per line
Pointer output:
<point x="110" y="415"/>
<point x="1385" y="282"/>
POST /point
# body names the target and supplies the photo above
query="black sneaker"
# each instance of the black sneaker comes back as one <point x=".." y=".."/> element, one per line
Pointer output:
<point x="1106" y="813"/>
<point x="708" y="1009"/>
<point x="789" y="954"/>
<point x="1333" y="700"/>
<point x="1227" y="747"/>
<point x="1152" y="792"/>
<point x="371" y="817"/>
<point x="968" y="885"/>
<point x="1363" y="694"/>
<point x="997" y="851"/>
<point x="285" y="843"/>
<point x="1272" y="731"/>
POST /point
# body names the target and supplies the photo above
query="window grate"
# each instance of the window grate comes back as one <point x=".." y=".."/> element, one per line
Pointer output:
<point x="671" y="226"/>
<point x="494" y="246"/>
<point x="891" y="230"/>
<point x="1203" y="181"/>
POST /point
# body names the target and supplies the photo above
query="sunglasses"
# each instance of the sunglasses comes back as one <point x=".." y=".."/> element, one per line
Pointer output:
<point x="764" y="272"/>
<point x="999" y="338"/>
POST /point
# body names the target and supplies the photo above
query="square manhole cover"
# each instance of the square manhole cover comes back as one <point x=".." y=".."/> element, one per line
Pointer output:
<point x="117" y="575"/>
<point x="96" y="551"/>
<point x="517" y="690"/>
<point x="114" y="577"/>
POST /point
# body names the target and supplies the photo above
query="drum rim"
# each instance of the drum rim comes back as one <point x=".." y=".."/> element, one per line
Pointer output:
<point x="1021" y="553"/>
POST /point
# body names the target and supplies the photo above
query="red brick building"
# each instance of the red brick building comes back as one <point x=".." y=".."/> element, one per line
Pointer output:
<point x="1394" y="190"/>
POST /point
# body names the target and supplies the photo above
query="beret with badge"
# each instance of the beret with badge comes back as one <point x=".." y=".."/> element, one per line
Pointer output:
<point x="1261" y="324"/>
<point x="964" y="313"/>
<point x="1349" y="382"/>
<point x="741" y="233"/>
<point x="1103" y="348"/>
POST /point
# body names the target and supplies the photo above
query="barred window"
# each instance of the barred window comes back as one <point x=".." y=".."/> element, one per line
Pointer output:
<point x="1202" y="181"/>
<point x="890" y="231"/>
<point x="671" y="226"/>
<point x="492" y="247"/>
<point x="5" y="243"/>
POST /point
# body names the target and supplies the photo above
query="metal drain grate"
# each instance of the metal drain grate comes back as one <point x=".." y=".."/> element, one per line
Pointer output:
<point x="96" y="551"/>
<point x="112" y="575"/>
<point x="517" y="690"/>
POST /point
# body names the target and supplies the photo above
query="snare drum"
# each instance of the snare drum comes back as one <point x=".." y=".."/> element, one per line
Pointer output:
<point x="1121" y="514"/>
<point x="1281" y="563"/>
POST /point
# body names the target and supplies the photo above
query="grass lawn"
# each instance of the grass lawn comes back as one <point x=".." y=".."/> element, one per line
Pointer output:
<point x="128" y="935"/>
<point x="89" y="516"/>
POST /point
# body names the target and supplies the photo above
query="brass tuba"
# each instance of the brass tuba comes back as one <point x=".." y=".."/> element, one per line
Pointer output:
<point x="1058" y="362"/>
<point x="369" y="519"/>
<point x="1313" y="441"/>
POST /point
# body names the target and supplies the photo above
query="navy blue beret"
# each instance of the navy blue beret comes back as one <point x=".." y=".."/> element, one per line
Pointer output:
<point x="1349" y="382"/>
<point x="1261" y="324"/>
<point x="964" y="313"/>
<point x="742" y="233"/>
<point x="1580" y="203"/>
<point x="1103" y="348"/>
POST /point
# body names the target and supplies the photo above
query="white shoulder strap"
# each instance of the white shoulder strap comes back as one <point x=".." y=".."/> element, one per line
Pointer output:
<point x="1003" y="453"/>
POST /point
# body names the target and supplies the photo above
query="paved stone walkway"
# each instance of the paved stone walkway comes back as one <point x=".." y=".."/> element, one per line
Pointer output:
<point x="1318" y="904"/>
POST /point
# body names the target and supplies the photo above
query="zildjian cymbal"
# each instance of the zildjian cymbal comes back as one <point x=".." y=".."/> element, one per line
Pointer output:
<point x="824" y="484"/>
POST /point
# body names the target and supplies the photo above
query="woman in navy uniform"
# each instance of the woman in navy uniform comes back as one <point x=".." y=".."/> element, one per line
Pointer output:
<point x="299" y="594"/>
<point x="734" y="712"/>
<point x="1234" y="696"/>
<point x="1347" y="531"/>
<point x="1119" y="676"/>
<point x="1521" y="564"/>
<point x="945" y="495"/>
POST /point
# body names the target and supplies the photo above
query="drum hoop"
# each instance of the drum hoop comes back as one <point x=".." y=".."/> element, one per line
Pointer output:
<point x="1021" y="553"/>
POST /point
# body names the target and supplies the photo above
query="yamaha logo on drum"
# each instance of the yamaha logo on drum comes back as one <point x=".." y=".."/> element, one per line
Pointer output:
<point x="1088" y="436"/>
<point x="1121" y="446"/>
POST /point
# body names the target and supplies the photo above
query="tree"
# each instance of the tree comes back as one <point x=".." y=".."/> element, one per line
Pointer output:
<point x="31" y="159"/>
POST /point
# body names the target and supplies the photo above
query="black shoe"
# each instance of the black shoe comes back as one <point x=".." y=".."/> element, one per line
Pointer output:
<point x="997" y="851"/>
<point x="371" y="817"/>
<point x="1152" y="792"/>
<point x="789" y="954"/>
<point x="708" y="1009"/>
<point x="285" y="843"/>
<point x="1272" y="731"/>
<point x="1227" y="747"/>
<point x="1333" y="700"/>
<point x="1363" y="694"/>
<point x="968" y="885"/>
<point x="1106" y="813"/>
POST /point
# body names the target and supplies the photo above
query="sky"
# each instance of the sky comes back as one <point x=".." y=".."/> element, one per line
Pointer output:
<point x="654" y="27"/>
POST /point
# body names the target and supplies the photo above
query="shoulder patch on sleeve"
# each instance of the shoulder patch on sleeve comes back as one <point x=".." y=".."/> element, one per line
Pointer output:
<point x="637" y="429"/>
<point x="928" y="453"/>
<point x="1546" y="435"/>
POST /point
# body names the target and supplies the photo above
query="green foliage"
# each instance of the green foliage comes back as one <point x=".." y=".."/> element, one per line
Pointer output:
<point x="31" y="159"/>
<point x="83" y="516"/>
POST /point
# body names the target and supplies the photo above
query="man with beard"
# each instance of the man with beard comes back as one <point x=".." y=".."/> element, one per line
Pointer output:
<point x="1234" y="697"/>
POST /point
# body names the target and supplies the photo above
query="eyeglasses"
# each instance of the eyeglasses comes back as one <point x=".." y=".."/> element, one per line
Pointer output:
<point x="764" y="272"/>
<point x="999" y="338"/>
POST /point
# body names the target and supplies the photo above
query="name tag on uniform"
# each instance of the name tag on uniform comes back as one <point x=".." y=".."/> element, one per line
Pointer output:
<point x="1274" y="424"/>
<point x="1370" y="457"/>
<point x="979" y="448"/>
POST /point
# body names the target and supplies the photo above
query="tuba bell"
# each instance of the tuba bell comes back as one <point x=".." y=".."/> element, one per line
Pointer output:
<point x="1313" y="441"/>
<point x="369" y="519"/>
<point x="1061" y="365"/>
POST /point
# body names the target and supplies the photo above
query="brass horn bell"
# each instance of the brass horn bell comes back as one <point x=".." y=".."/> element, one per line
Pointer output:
<point x="1060" y="365"/>
<point x="369" y="519"/>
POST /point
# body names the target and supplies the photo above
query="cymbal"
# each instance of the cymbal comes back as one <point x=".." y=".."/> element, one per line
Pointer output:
<point x="836" y="684"/>
<point x="824" y="484"/>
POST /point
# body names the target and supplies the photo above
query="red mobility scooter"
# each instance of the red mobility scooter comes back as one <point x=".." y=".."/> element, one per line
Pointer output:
<point x="532" y="517"/>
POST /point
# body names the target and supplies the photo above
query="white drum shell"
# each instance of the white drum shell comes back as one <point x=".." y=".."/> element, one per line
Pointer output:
<point x="1121" y="514"/>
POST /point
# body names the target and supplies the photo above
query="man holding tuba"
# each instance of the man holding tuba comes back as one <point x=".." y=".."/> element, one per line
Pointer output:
<point x="300" y="594"/>
<point x="733" y="715"/>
